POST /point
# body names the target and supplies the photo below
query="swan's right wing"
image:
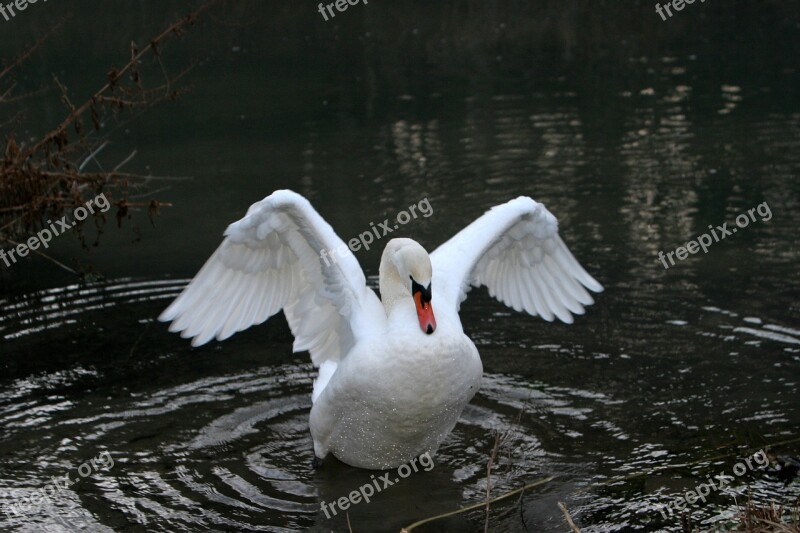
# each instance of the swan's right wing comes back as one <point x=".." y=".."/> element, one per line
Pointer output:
<point x="281" y="255"/>
<point x="516" y="252"/>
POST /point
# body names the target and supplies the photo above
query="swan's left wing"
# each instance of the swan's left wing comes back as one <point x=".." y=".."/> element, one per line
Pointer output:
<point x="515" y="250"/>
<point x="281" y="255"/>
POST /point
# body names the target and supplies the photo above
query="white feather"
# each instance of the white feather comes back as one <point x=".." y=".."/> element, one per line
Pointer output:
<point x="270" y="260"/>
<point x="515" y="251"/>
<point x="388" y="388"/>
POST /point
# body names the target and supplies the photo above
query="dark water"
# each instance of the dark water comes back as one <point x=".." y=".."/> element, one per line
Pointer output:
<point x="636" y="133"/>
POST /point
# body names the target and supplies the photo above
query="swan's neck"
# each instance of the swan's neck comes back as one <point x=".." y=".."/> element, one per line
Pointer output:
<point x="393" y="289"/>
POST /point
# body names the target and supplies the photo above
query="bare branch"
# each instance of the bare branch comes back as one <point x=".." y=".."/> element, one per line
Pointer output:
<point x="568" y="518"/>
<point x="114" y="76"/>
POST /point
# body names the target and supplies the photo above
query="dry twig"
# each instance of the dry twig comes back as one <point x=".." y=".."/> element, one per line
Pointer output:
<point x="568" y="518"/>
<point x="45" y="179"/>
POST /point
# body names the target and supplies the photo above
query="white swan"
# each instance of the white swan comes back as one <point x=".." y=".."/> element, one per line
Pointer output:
<point x="393" y="376"/>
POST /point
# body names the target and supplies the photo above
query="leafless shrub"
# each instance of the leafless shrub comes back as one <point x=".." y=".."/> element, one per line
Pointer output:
<point x="45" y="178"/>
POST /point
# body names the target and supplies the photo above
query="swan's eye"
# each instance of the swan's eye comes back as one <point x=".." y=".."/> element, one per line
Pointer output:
<point x="425" y="292"/>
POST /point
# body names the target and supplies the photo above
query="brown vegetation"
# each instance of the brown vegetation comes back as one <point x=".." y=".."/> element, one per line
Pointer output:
<point x="44" y="178"/>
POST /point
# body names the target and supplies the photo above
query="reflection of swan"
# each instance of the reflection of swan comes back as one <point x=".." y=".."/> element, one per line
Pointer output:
<point x="393" y="378"/>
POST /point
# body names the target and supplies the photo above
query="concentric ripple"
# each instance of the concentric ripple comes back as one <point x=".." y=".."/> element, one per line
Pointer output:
<point x="217" y="439"/>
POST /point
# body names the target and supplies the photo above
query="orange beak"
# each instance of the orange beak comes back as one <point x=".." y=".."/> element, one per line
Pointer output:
<point x="427" y="322"/>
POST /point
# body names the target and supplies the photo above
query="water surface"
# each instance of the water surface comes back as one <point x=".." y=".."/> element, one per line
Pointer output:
<point x="636" y="133"/>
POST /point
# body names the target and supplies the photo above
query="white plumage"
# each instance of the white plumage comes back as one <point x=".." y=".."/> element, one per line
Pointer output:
<point x="393" y="378"/>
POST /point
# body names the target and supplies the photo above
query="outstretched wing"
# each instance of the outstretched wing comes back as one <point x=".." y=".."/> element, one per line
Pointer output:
<point x="515" y="251"/>
<point x="281" y="255"/>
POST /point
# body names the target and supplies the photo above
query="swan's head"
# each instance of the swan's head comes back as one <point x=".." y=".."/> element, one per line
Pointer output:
<point x="413" y="265"/>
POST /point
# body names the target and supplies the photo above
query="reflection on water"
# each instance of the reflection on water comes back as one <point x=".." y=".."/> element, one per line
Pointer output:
<point x="635" y="137"/>
<point x="217" y="447"/>
<point x="236" y="445"/>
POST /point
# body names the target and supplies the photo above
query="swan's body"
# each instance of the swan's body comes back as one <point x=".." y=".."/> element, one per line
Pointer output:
<point x="393" y="378"/>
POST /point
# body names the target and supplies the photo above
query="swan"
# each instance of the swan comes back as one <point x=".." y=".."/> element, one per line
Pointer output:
<point x="394" y="373"/>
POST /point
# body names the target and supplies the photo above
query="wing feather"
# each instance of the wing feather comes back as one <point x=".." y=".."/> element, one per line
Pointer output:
<point x="272" y="260"/>
<point x="516" y="252"/>
<point x="566" y="297"/>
